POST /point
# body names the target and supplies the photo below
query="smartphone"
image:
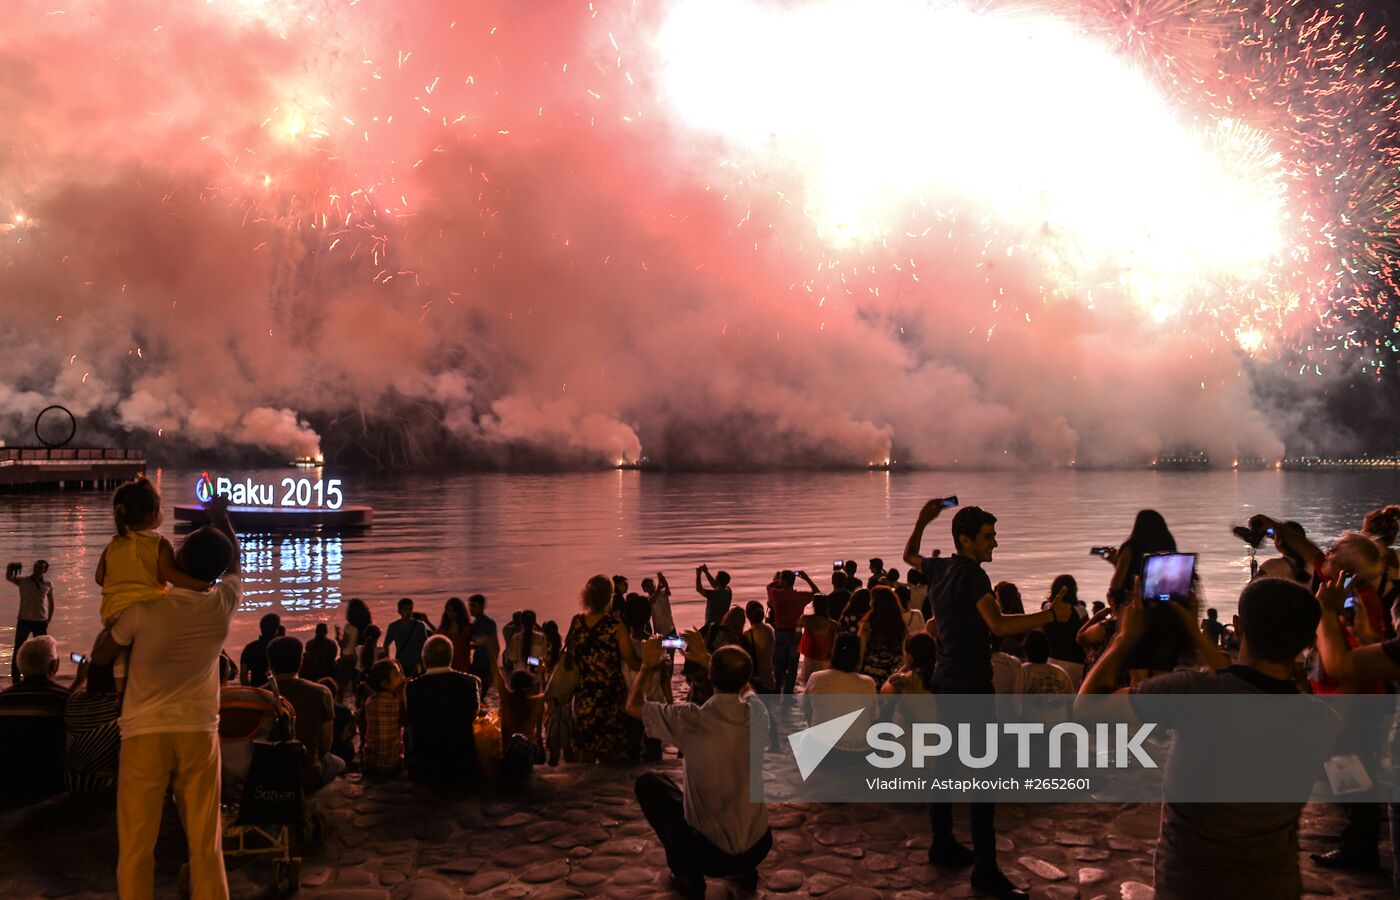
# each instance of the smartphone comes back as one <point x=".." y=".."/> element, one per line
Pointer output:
<point x="1350" y="603"/>
<point x="1268" y="532"/>
<point x="77" y="658"/>
<point x="950" y="502"/>
<point x="838" y="565"/>
<point x="673" y="643"/>
<point x="533" y="660"/>
<point x="1100" y="551"/>
<point x="1166" y="577"/>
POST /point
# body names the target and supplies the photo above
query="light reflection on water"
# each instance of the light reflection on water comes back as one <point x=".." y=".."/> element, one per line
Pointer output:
<point x="532" y="540"/>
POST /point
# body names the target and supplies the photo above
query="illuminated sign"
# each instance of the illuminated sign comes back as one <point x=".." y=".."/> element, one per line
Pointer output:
<point x="288" y="493"/>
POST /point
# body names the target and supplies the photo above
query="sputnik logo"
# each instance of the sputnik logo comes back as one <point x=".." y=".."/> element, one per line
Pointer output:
<point x="204" y="488"/>
<point x="811" y="745"/>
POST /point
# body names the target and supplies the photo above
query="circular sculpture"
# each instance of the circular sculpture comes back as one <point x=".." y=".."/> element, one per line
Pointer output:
<point x="57" y="417"/>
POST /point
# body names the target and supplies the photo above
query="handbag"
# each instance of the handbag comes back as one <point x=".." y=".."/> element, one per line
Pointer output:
<point x="563" y="681"/>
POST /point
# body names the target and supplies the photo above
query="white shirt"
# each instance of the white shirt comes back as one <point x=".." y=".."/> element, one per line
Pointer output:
<point x="914" y="619"/>
<point x="1007" y="676"/>
<point x="661" y="619"/>
<point x="832" y="693"/>
<point x="173" y="677"/>
<point x="715" y="740"/>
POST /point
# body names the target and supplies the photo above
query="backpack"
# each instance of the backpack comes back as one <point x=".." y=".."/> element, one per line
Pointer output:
<point x="518" y="760"/>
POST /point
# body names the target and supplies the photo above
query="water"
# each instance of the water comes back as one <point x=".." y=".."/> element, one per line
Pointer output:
<point x="530" y="541"/>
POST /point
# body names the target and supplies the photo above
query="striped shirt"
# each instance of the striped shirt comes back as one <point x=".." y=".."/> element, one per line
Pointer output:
<point x="93" y="741"/>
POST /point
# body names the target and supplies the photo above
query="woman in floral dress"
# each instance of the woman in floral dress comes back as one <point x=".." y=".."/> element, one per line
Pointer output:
<point x="599" y="644"/>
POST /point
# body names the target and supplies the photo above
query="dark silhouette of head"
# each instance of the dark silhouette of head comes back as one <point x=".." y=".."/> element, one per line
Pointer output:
<point x="730" y="669"/>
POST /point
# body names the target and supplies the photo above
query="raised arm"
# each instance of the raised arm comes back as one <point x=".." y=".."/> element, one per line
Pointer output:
<point x="166" y="570"/>
<point x="1368" y="663"/>
<point x="661" y="582"/>
<point x="1296" y="542"/>
<point x="624" y="646"/>
<point x="648" y="664"/>
<point x="217" y="509"/>
<point x="927" y="514"/>
<point x="1004" y="625"/>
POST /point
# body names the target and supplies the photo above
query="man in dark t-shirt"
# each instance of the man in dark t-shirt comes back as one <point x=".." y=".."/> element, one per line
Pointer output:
<point x="966" y="613"/>
<point x="1229" y="849"/>
<point x="718" y="596"/>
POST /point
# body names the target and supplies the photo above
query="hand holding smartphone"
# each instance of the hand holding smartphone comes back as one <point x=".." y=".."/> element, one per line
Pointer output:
<point x="673" y="643"/>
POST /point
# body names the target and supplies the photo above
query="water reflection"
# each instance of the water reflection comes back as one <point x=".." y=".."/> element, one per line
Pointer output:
<point x="292" y="574"/>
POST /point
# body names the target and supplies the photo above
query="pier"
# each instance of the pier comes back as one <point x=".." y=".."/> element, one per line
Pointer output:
<point x="67" y="468"/>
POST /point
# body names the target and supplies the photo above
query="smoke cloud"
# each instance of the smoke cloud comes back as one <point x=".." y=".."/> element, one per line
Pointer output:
<point x="424" y="232"/>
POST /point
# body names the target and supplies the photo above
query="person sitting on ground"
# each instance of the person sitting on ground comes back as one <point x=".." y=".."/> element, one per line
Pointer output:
<point x="915" y="676"/>
<point x="252" y="663"/>
<point x="882" y="635"/>
<point x="1007" y="675"/>
<point x="441" y="704"/>
<point x="31" y="725"/>
<point x="839" y="690"/>
<point x="913" y="617"/>
<point x="1224" y="849"/>
<point x="712" y="827"/>
<point x="343" y="730"/>
<point x="407" y="634"/>
<point x="658" y="594"/>
<point x="718" y="596"/>
<point x="1040" y="676"/>
<point x="93" y="735"/>
<point x="762" y="642"/>
<point x="818" y="634"/>
<point x="319" y="656"/>
<point x="315" y="713"/>
<point x="383" y="727"/>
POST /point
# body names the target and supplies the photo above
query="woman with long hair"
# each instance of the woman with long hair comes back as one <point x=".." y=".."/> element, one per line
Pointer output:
<point x="599" y="644"/>
<point x="528" y="642"/>
<point x="457" y="627"/>
<point x="1160" y="648"/>
<point x="854" y="613"/>
<point x="818" y="634"/>
<point x="882" y="634"/>
<point x="349" y="637"/>
<point x="1063" y="636"/>
<point x="915" y="676"/>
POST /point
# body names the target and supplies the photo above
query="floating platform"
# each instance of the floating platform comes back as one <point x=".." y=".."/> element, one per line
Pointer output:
<point x="68" y="468"/>
<point x="282" y="518"/>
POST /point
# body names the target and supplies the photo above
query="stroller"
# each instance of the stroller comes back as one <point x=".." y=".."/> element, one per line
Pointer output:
<point x="257" y="732"/>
